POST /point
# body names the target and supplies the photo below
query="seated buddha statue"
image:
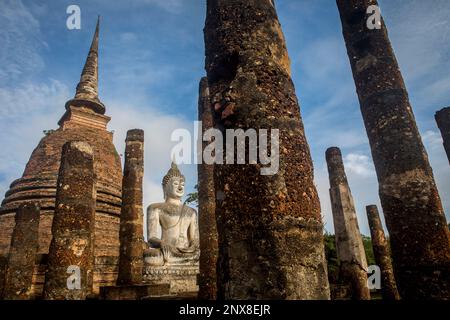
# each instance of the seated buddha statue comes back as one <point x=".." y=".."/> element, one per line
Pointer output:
<point x="179" y="241"/>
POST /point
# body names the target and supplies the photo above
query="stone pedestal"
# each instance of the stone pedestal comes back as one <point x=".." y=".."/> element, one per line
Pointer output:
<point x="71" y="249"/>
<point x="182" y="279"/>
<point x="419" y="235"/>
<point x="136" y="292"/>
<point x="22" y="253"/>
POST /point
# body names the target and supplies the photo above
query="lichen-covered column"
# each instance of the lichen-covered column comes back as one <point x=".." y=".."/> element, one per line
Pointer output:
<point x="443" y="122"/>
<point x="206" y="206"/>
<point x="269" y="224"/>
<point x="71" y="257"/>
<point x="349" y="245"/>
<point x="131" y="234"/>
<point x="22" y="253"/>
<point x="382" y="254"/>
<point x="419" y="235"/>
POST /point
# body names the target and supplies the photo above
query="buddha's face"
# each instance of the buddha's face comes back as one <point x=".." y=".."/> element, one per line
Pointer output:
<point x="174" y="188"/>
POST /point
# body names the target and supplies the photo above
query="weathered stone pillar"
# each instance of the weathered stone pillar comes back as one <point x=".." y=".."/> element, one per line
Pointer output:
<point x="131" y="235"/>
<point x="71" y="249"/>
<point x="22" y="253"/>
<point x="207" y="207"/>
<point x="269" y="223"/>
<point x="443" y="122"/>
<point x="3" y="265"/>
<point x="420" y="239"/>
<point x="349" y="245"/>
<point x="382" y="254"/>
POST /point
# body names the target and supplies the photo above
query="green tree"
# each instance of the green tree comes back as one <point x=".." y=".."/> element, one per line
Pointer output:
<point x="192" y="198"/>
<point x="331" y="256"/>
<point x="367" y="241"/>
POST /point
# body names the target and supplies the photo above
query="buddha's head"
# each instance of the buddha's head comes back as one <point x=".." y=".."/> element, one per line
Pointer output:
<point x="173" y="183"/>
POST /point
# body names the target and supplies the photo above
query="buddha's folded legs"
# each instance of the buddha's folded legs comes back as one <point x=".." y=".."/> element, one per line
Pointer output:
<point x="155" y="256"/>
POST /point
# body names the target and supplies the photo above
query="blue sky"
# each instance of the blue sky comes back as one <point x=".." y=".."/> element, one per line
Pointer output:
<point x="152" y="57"/>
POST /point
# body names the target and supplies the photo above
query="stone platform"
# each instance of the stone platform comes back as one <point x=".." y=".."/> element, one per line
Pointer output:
<point x="135" y="292"/>
<point x="182" y="279"/>
<point x="173" y="282"/>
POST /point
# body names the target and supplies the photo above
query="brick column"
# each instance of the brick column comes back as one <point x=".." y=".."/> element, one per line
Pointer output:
<point x="349" y="244"/>
<point x="73" y="226"/>
<point x="207" y="207"/>
<point x="382" y="255"/>
<point x="131" y="218"/>
<point x="22" y="253"/>
<point x="270" y="230"/>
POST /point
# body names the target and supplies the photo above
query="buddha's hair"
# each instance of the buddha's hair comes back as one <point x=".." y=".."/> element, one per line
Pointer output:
<point x="173" y="172"/>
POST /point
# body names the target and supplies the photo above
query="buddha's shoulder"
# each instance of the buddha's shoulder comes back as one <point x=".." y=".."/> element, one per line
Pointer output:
<point x="190" y="211"/>
<point x="156" y="206"/>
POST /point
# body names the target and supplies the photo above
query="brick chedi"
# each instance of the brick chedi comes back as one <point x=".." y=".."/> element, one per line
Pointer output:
<point x="73" y="225"/>
<point x="382" y="254"/>
<point x="420" y="239"/>
<point x="84" y="120"/>
<point x="270" y="228"/>
<point x="349" y="245"/>
<point x="207" y="207"/>
<point x="443" y="122"/>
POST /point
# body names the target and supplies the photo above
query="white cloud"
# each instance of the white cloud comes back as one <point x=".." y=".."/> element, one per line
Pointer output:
<point x="32" y="98"/>
<point x="127" y="37"/>
<point x="416" y="36"/>
<point x="432" y="139"/>
<point x="359" y="164"/>
<point x="21" y="42"/>
<point x="172" y="6"/>
<point x="320" y="63"/>
<point x="333" y="136"/>
<point x="435" y="90"/>
<point x="420" y="34"/>
<point x="158" y="128"/>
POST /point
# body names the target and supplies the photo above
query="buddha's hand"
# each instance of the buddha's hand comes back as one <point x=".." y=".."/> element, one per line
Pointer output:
<point x="195" y="243"/>
<point x="154" y="242"/>
<point x="166" y="249"/>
